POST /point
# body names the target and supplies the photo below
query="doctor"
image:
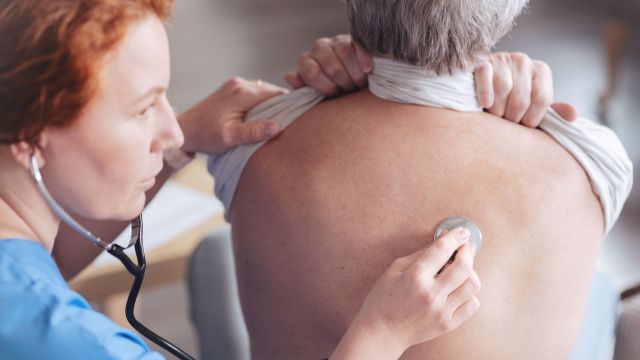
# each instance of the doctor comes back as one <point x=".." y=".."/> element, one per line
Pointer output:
<point x="83" y="90"/>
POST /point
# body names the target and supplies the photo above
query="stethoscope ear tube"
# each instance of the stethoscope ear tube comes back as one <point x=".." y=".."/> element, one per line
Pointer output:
<point x="137" y="270"/>
<point x="59" y="211"/>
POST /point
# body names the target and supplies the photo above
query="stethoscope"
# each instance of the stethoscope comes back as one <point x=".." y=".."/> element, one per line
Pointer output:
<point x="450" y="223"/>
<point x="136" y="269"/>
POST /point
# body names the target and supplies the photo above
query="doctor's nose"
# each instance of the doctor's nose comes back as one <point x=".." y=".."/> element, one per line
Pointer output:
<point x="168" y="133"/>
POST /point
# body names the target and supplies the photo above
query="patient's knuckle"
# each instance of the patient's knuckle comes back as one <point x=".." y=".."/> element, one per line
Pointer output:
<point x="503" y="85"/>
<point x="344" y="51"/>
<point x="321" y="44"/>
<point x="233" y="83"/>
<point x="242" y="90"/>
<point x="238" y="87"/>
<point x="542" y="67"/>
<point x="333" y="69"/>
<point x="519" y="103"/>
<point x="540" y="98"/>
<point x="236" y="81"/>
<point x="303" y="60"/>
<point x="499" y="58"/>
<point x="520" y="59"/>
<point x="310" y="70"/>
<point x="342" y="39"/>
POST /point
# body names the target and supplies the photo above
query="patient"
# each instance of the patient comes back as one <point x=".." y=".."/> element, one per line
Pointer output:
<point x="357" y="181"/>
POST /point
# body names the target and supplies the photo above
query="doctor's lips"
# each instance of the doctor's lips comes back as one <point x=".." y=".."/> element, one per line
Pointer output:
<point x="149" y="182"/>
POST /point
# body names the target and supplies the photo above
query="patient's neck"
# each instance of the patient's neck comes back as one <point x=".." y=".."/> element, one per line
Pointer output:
<point x="400" y="82"/>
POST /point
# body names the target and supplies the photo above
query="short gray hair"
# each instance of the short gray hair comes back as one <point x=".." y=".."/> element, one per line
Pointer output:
<point x="439" y="35"/>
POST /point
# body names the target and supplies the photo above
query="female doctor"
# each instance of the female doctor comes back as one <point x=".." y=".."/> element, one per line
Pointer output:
<point x="83" y="95"/>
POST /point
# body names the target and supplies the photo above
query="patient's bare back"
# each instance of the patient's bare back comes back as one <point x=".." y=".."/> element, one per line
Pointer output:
<point x="356" y="182"/>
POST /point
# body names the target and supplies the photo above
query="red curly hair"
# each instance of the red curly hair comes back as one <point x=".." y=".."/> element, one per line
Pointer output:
<point x="50" y="57"/>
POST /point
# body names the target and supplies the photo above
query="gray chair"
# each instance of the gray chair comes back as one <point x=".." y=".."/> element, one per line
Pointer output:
<point x="215" y="305"/>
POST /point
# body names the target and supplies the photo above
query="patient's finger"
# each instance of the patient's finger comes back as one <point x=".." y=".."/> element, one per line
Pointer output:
<point x="502" y="83"/>
<point x="459" y="271"/>
<point x="465" y="312"/>
<point x="364" y="58"/>
<point x="346" y="52"/>
<point x="464" y="292"/>
<point x="439" y="252"/>
<point x="312" y="75"/>
<point x="541" y="94"/>
<point x="294" y="80"/>
<point x="520" y="98"/>
<point x="483" y="75"/>
<point x="325" y="55"/>
<point x="249" y="133"/>
<point x="566" y="110"/>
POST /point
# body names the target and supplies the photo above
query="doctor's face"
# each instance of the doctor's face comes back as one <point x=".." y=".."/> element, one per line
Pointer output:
<point x="101" y="165"/>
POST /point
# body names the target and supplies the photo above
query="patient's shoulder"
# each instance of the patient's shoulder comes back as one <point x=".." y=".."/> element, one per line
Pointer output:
<point x="358" y="146"/>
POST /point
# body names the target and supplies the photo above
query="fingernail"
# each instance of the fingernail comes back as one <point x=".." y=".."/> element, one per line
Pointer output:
<point x="464" y="232"/>
<point x="271" y="129"/>
<point x="474" y="247"/>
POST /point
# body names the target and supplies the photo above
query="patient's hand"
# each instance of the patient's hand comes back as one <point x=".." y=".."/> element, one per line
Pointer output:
<point x="509" y="85"/>
<point x="517" y="88"/>
<point x="413" y="303"/>
<point x="333" y="65"/>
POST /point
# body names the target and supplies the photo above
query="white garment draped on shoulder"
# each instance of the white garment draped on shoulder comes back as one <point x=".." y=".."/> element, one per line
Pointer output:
<point x="595" y="147"/>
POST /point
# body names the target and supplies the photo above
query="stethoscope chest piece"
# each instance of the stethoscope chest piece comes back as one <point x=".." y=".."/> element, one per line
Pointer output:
<point x="453" y="222"/>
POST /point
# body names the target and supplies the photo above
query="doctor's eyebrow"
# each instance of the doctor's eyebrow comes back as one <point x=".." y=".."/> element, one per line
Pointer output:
<point x="152" y="92"/>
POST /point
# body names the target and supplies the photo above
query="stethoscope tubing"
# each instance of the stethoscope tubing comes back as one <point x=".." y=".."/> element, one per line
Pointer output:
<point x="137" y="270"/>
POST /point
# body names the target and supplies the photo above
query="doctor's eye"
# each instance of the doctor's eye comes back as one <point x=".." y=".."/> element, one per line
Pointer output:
<point x="145" y="111"/>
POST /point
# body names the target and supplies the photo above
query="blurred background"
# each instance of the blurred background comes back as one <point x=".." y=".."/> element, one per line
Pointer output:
<point x="593" y="48"/>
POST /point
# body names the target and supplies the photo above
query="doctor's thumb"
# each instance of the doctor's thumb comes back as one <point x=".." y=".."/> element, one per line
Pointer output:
<point x="254" y="132"/>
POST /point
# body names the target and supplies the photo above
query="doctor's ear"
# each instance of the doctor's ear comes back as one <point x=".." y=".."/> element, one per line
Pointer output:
<point x="22" y="151"/>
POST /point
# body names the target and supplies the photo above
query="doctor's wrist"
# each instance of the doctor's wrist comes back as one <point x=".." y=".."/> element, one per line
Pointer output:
<point x="363" y="341"/>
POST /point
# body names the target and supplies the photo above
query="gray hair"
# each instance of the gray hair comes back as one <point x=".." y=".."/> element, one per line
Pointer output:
<point x="439" y="35"/>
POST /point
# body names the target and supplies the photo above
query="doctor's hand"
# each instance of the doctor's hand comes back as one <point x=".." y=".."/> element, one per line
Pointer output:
<point x="411" y="303"/>
<point x="216" y="124"/>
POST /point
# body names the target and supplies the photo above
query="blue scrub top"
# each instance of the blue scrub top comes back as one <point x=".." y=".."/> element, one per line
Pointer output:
<point x="41" y="318"/>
